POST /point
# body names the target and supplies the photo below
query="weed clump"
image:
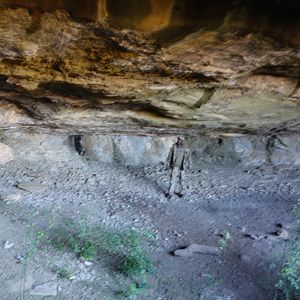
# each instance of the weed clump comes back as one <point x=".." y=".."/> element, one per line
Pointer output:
<point x="289" y="282"/>
<point x="289" y="274"/>
<point x="89" y="243"/>
<point x="92" y="243"/>
<point x="64" y="272"/>
<point x="136" y="264"/>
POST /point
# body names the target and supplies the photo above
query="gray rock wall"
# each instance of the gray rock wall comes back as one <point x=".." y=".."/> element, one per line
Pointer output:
<point x="254" y="150"/>
<point x="140" y="150"/>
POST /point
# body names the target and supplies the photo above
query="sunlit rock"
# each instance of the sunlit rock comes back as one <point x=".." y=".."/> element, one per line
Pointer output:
<point x="6" y="154"/>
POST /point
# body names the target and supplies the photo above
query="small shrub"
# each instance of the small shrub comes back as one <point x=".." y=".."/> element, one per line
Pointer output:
<point x="136" y="264"/>
<point x="289" y="282"/>
<point x="224" y="240"/>
<point x="35" y="240"/>
<point x="64" y="272"/>
<point x="131" y="293"/>
<point x="87" y="243"/>
<point x="85" y="249"/>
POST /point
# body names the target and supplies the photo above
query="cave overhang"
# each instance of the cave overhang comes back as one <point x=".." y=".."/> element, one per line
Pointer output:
<point x="157" y="69"/>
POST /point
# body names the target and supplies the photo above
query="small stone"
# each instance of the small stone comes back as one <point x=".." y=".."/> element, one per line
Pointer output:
<point x="87" y="263"/>
<point x="10" y="197"/>
<point x="195" y="248"/>
<point x="256" y="236"/>
<point x="45" y="289"/>
<point x="21" y="258"/>
<point x="8" y="245"/>
<point x="242" y="229"/>
<point x="32" y="187"/>
<point x="282" y="233"/>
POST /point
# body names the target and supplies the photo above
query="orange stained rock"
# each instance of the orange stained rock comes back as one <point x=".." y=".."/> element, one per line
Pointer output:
<point x="159" y="16"/>
<point x="101" y="10"/>
<point x="92" y="9"/>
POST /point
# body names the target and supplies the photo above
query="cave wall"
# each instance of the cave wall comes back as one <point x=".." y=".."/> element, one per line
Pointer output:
<point x="275" y="18"/>
<point x="147" y="150"/>
<point x="92" y="9"/>
<point x="61" y="75"/>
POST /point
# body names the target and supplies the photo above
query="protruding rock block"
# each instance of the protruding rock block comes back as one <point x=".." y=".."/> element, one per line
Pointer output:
<point x="6" y="154"/>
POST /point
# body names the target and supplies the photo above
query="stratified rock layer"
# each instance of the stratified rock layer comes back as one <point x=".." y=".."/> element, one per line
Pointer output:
<point x="57" y="74"/>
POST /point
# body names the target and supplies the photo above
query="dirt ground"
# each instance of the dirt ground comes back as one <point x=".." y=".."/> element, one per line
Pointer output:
<point x="222" y="206"/>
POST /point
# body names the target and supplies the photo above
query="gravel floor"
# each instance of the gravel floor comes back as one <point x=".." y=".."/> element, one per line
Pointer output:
<point x="220" y="199"/>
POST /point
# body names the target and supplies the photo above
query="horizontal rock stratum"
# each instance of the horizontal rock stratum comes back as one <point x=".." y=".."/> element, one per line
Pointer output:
<point x="67" y="75"/>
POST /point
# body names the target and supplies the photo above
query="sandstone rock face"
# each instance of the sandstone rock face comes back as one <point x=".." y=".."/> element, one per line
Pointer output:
<point x="6" y="154"/>
<point x="62" y="75"/>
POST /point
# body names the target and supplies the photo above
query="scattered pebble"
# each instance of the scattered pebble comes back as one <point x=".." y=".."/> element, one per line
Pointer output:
<point x="282" y="233"/>
<point x="8" y="245"/>
<point x="87" y="263"/>
<point x="10" y="197"/>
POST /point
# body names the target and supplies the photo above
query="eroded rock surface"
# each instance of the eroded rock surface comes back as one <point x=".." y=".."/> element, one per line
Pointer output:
<point x="150" y="150"/>
<point x="68" y="76"/>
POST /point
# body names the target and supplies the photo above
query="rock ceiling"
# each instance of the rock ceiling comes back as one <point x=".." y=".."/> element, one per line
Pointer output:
<point x="157" y="72"/>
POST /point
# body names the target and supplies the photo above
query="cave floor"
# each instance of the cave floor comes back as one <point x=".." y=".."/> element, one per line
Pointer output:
<point x="222" y="206"/>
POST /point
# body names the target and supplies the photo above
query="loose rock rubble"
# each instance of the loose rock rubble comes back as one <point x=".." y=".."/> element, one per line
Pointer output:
<point x="8" y="245"/>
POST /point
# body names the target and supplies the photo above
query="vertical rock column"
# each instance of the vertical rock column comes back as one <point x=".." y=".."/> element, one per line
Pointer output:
<point x="101" y="10"/>
<point x="6" y="154"/>
<point x="159" y="17"/>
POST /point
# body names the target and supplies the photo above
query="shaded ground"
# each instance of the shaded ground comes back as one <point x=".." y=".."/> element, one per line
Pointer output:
<point x="220" y="199"/>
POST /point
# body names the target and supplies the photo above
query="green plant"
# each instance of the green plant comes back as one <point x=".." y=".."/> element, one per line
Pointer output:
<point x="136" y="264"/>
<point x="289" y="272"/>
<point x="83" y="248"/>
<point x="133" y="290"/>
<point x="34" y="239"/>
<point x="226" y="236"/>
<point x="296" y="208"/>
<point x="89" y="242"/>
<point x="64" y="272"/>
<point x="289" y="275"/>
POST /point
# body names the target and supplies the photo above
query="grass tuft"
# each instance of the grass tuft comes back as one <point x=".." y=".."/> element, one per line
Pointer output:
<point x="136" y="264"/>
